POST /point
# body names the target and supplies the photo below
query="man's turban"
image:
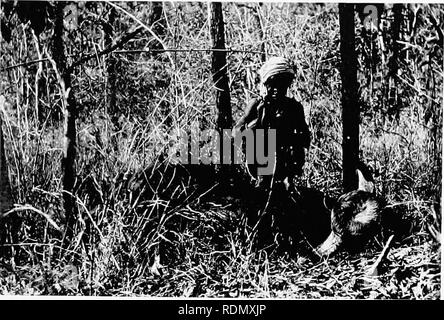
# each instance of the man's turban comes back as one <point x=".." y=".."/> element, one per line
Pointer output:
<point x="275" y="66"/>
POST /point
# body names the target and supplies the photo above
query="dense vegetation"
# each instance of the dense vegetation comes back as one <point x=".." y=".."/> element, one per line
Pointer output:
<point x="129" y="101"/>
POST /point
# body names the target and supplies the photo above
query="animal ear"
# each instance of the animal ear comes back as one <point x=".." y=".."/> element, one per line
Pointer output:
<point x="365" y="184"/>
<point x="329" y="203"/>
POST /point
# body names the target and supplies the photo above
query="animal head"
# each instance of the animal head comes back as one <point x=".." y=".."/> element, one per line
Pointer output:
<point x="353" y="215"/>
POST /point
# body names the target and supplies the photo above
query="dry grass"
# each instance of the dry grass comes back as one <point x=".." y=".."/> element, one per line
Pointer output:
<point x="177" y="243"/>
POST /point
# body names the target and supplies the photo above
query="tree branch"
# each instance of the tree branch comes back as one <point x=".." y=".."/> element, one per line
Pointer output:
<point x="187" y="50"/>
<point x="124" y="39"/>
<point x="24" y="64"/>
<point x="436" y="25"/>
<point x="112" y="50"/>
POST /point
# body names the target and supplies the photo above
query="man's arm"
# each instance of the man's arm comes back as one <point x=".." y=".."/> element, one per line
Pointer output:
<point x="303" y="132"/>
<point x="249" y="115"/>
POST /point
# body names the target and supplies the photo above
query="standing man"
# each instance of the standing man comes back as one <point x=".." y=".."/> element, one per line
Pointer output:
<point x="274" y="110"/>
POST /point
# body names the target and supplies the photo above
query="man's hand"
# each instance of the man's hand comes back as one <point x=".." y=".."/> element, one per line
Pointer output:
<point x="287" y="183"/>
<point x="236" y="132"/>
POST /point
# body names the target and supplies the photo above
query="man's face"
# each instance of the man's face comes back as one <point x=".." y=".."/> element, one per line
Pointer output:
<point x="277" y="86"/>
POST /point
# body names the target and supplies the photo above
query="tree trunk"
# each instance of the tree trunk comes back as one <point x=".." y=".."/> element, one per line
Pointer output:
<point x="350" y="106"/>
<point x="393" y="63"/>
<point x="111" y="78"/>
<point x="6" y="202"/>
<point x="157" y="23"/>
<point x="260" y="31"/>
<point x="396" y="28"/>
<point x="220" y="78"/>
<point x="219" y="68"/>
<point x="5" y="188"/>
<point x="68" y="161"/>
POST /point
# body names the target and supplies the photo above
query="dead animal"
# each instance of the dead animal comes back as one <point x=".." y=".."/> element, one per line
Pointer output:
<point x="355" y="218"/>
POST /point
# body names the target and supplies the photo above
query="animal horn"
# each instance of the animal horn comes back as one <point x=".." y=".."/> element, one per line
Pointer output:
<point x="364" y="184"/>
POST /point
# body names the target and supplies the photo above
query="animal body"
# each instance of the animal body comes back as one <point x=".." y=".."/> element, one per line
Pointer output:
<point x="355" y="218"/>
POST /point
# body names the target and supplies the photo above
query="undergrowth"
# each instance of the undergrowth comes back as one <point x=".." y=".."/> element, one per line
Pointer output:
<point x="170" y="237"/>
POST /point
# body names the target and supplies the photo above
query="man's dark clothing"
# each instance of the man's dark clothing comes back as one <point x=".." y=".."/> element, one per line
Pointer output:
<point x="286" y="115"/>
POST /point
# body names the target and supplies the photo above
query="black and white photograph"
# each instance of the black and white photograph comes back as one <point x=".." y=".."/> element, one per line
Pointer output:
<point x="221" y="150"/>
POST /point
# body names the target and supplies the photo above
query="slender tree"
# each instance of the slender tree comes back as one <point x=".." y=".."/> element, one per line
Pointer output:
<point x="395" y="30"/>
<point x="6" y="199"/>
<point x="350" y="106"/>
<point x="393" y="63"/>
<point x="260" y="31"/>
<point x="219" y="67"/>
<point x="220" y="79"/>
<point x="70" y="110"/>
<point x="5" y="188"/>
<point x="157" y="24"/>
<point x="111" y="94"/>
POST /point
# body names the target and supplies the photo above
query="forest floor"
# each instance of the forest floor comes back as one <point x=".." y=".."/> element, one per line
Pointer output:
<point x="411" y="270"/>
